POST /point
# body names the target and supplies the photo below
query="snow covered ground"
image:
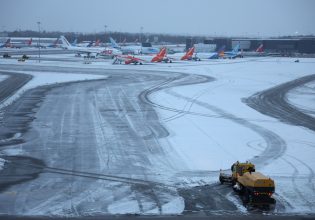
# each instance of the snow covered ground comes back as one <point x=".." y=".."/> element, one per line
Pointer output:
<point x="211" y="127"/>
<point x="216" y="140"/>
<point x="44" y="78"/>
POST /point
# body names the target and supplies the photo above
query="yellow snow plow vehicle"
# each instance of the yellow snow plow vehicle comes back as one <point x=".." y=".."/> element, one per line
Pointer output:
<point x="253" y="187"/>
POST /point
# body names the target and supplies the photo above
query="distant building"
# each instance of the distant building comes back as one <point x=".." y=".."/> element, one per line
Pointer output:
<point x="3" y="34"/>
<point x="284" y="46"/>
<point x="202" y="47"/>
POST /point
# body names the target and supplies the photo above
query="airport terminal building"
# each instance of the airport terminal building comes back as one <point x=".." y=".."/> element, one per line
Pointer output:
<point x="284" y="46"/>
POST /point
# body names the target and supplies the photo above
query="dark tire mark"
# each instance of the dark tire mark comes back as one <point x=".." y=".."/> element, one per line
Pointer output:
<point x="276" y="146"/>
<point x="17" y="116"/>
<point x="208" y="199"/>
<point x="13" y="173"/>
<point x="273" y="102"/>
<point x="11" y="84"/>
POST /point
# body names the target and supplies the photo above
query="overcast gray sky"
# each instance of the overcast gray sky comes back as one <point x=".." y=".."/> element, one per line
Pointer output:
<point x="193" y="17"/>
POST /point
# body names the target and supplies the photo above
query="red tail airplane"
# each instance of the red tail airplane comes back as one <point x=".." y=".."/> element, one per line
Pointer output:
<point x="162" y="57"/>
<point x="97" y="42"/>
<point x="190" y="55"/>
<point x="128" y="60"/>
<point x="260" y="49"/>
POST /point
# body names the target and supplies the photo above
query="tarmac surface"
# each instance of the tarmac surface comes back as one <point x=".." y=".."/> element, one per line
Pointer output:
<point x="86" y="145"/>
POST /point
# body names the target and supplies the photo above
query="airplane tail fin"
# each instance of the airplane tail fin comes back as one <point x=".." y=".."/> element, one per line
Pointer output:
<point x="7" y="43"/>
<point x="65" y="42"/>
<point x="162" y="52"/>
<point x="29" y="42"/>
<point x="220" y="52"/>
<point x="260" y="49"/>
<point x="97" y="42"/>
<point x="189" y="54"/>
<point x="160" y="55"/>
<point x="74" y="43"/>
<point x="191" y="51"/>
<point x="236" y="48"/>
<point x="124" y="42"/>
<point x="113" y="43"/>
<point x="222" y="49"/>
<point x="56" y="41"/>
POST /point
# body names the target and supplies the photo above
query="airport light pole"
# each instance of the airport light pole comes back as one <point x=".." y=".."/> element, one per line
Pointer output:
<point x="105" y="26"/>
<point x="38" y="23"/>
<point x="141" y="30"/>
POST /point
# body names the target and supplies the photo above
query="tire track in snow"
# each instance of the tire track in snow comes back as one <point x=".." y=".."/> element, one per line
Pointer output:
<point x="276" y="146"/>
<point x="295" y="175"/>
<point x="274" y="103"/>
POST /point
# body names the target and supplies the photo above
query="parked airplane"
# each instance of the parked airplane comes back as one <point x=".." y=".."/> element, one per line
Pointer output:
<point x="11" y="44"/>
<point x="162" y="57"/>
<point x="127" y="59"/>
<point x="216" y="55"/>
<point x="126" y="49"/>
<point x="74" y="43"/>
<point x="233" y="54"/>
<point x="159" y="57"/>
<point x="258" y="52"/>
<point x="190" y="55"/>
<point x="260" y="49"/>
<point x="91" y="51"/>
<point x="145" y="48"/>
<point x="94" y="44"/>
<point x="54" y="44"/>
<point x="6" y="44"/>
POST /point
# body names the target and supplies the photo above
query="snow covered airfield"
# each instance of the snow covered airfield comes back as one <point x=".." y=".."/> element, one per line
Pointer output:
<point x="102" y="139"/>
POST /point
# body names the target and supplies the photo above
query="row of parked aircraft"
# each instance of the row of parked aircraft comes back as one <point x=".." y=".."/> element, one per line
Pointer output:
<point x="139" y="54"/>
<point x="120" y="53"/>
<point x="27" y="44"/>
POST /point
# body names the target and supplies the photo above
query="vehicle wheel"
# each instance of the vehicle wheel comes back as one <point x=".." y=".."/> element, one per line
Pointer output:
<point x="246" y="197"/>
<point x="221" y="181"/>
<point x="233" y="182"/>
<point x="141" y="63"/>
<point x="171" y="61"/>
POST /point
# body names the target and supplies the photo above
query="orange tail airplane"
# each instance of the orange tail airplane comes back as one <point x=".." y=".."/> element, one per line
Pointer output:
<point x="162" y="57"/>
<point x="190" y="55"/>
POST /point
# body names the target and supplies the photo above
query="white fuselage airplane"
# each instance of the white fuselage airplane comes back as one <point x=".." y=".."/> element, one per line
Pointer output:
<point x="135" y="49"/>
<point x="91" y="51"/>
